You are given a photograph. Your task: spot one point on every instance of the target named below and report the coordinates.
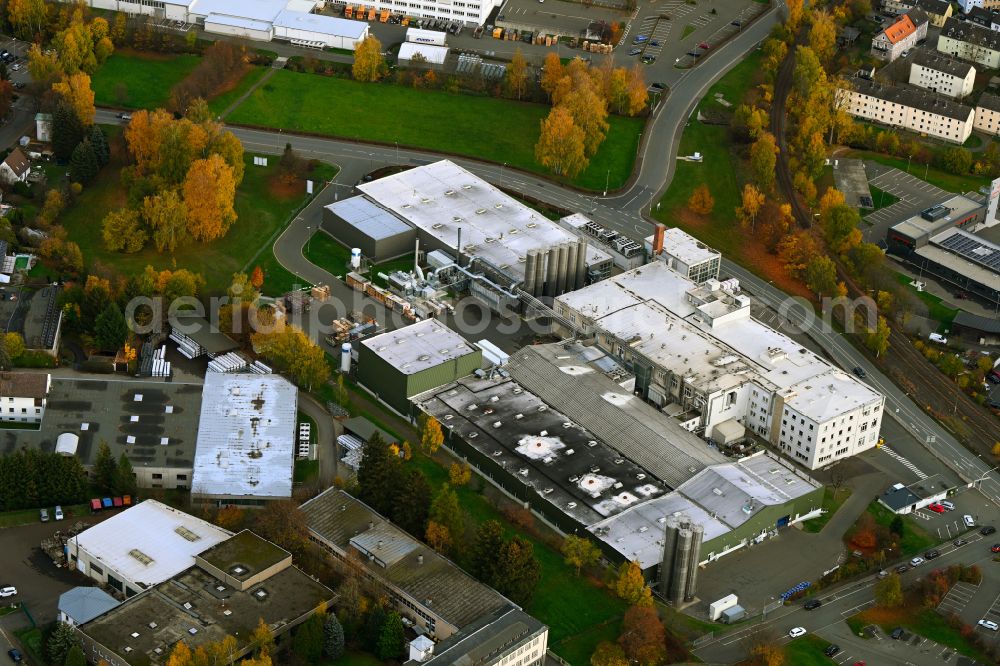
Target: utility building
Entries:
(360, 222)
(402, 363)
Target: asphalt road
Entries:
(840, 603)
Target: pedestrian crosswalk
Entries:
(906, 463)
(704, 19)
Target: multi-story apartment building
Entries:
(987, 18)
(696, 347)
(901, 36)
(908, 108)
(968, 5)
(988, 114)
(941, 74)
(970, 42)
(937, 10)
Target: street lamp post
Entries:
(501, 174)
(397, 151)
(909, 157)
(607, 178)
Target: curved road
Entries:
(622, 212)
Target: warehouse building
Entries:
(224, 592)
(489, 232)
(360, 222)
(465, 12)
(959, 211)
(246, 440)
(695, 348)
(402, 363)
(943, 75)
(908, 108)
(458, 619)
(962, 260)
(141, 547)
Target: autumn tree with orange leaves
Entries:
(75, 90)
(209, 194)
(560, 145)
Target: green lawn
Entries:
(260, 215)
(147, 78)
(305, 471)
(688, 29)
(483, 127)
(936, 309)
(807, 651)
(915, 538)
(31, 640)
(881, 198)
(277, 279)
(831, 502)
(946, 181)
(221, 102)
(718, 167)
(29, 516)
(577, 649)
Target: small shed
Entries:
(734, 614)
(43, 127)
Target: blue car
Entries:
(15, 655)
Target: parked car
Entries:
(812, 604)
(797, 631)
(58, 513)
(931, 554)
(649, 59)
(860, 372)
(948, 505)
(896, 634)
(705, 45)
(987, 530)
(16, 67)
(995, 548)
(916, 561)
(906, 53)
(969, 520)
(831, 650)
(653, 42)
(44, 515)
(694, 54)
(882, 574)
(902, 568)
(635, 52)
(936, 508)
(640, 38)
(15, 655)
(736, 23)
(959, 542)
(658, 86)
(989, 624)
(124, 116)
(8, 591)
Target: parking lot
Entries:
(914, 195)
(957, 599)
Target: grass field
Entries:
(28, 516)
(943, 179)
(305, 471)
(147, 78)
(915, 539)
(881, 198)
(831, 502)
(936, 309)
(482, 127)
(807, 651)
(719, 167)
(220, 103)
(260, 213)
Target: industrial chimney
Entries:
(658, 239)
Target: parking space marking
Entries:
(906, 463)
(957, 599)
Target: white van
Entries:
(969, 522)
(948, 505)
(937, 337)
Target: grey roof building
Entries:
(360, 222)
(83, 604)
(942, 63)
(914, 98)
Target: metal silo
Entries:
(697, 533)
(571, 253)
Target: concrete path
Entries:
(326, 430)
(863, 489)
(242, 98)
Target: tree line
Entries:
(31, 478)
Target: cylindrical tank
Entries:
(571, 251)
(345, 357)
(697, 533)
(563, 254)
(581, 264)
(529, 271)
(669, 551)
(539, 273)
(682, 562)
(355, 258)
(551, 270)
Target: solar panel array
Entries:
(973, 249)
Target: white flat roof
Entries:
(238, 22)
(432, 53)
(324, 25)
(254, 10)
(686, 248)
(169, 539)
(246, 436)
(441, 197)
(419, 346)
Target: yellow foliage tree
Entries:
(459, 474)
(631, 586)
(701, 200)
(560, 146)
(749, 208)
(209, 194)
(438, 536)
(144, 136)
(121, 231)
(369, 65)
(76, 91)
(431, 436)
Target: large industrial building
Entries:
(263, 20)
(696, 349)
(246, 439)
(399, 364)
(499, 243)
(223, 591)
(460, 620)
(684, 254)
(567, 436)
(141, 546)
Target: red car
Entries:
(936, 508)
(705, 45)
(995, 548)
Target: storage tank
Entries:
(539, 273)
(669, 551)
(697, 533)
(355, 258)
(551, 270)
(682, 563)
(571, 252)
(563, 254)
(581, 264)
(529, 271)
(345, 358)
